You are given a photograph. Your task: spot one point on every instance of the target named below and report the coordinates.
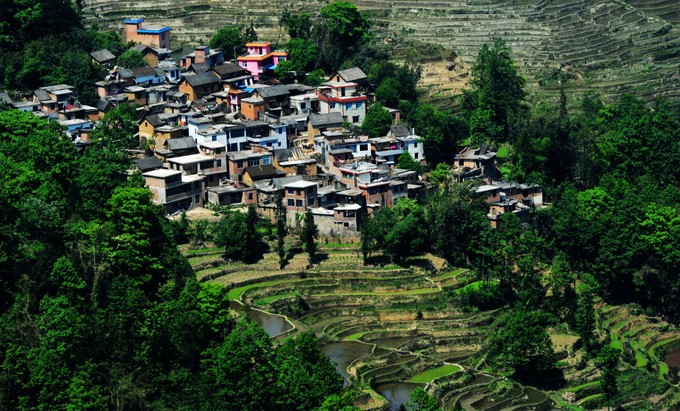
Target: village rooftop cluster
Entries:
(225, 132)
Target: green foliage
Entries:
(522, 344)
(341, 30)
(422, 401)
(395, 83)
(305, 375)
(377, 121)
(109, 40)
(585, 316)
(347, 24)
(130, 59)
(237, 233)
(43, 43)
(315, 78)
(281, 230)
(303, 59)
(230, 40)
(407, 162)
(309, 234)
(441, 132)
(454, 220)
(607, 361)
(299, 26)
(497, 92)
(440, 175)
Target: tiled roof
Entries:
(102, 55)
(226, 69)
(352, 74)
(326, 119)
(148, 163)
(180, 143)
(273, 91)
(202, 79)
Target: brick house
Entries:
(300, 195)
(197, 86)
(153, 36)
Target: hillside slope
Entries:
(609, 45)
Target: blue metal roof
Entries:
(133, 21)
(153, 31)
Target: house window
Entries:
(303, 106)
(415, 156)
(267, 160)
(239, 164)
(291, 191)
(291, 202)
(310, 190)
(244, 64)
(363, 147)
(214, 138)
(415, 145)
(298, 203)
(355, 119)
(360, 104)
(233, 147)
(218, 163)
(332, 106)
(310, 201)
(254, 162)
(348, 106)
(372, 191)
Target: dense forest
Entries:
(98, 309)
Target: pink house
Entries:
(260, 58)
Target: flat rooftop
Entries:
(162, 173)
(190, 159)
(300, 184)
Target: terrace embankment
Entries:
(602, 45)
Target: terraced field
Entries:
(614, 46)
(390, 327)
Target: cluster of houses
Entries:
(225, 132)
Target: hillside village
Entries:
(224, 132)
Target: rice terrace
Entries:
(390, 329)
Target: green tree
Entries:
(237, 233)
(299, 26)
(340, 33)
(607, 361)
(585, 312)
(250, 34)
(522, 344)
(315, 78)
(407, 162)
(239, 373)
(387, 93)
(305, 375)
(440, 132)
(377, 121)
(407, 235)
(422, 401)
(496, 86)
(281, 230)
(230, 40)
(440, 175)
(130, 59)
(309, 234)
